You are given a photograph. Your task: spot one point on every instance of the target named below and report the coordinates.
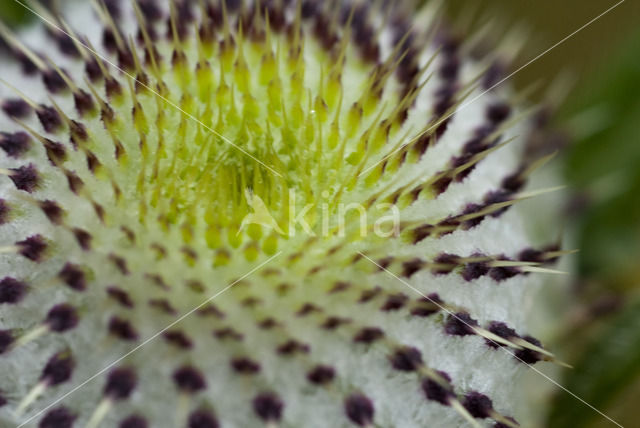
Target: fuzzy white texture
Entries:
(398, 399)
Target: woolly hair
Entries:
(182, 192)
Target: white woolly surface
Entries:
(399, 399)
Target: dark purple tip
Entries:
(472, 209)
(339, 286)
(211, 310)
(120, 383)
(427, 306)
(74, 182)
(498, 112)
(245, 365)
(28, 67)
(12, 291)
(93, 70)
(493, 75)
(268, 407)
(321, 375)
(126, 60)
(514, 182)
(447, 263)
(203, 419)
(52, 211)
(370, 294)
(228, 333)
(60, 417)
(474, 270)
(531, 255)
(332, 322)
(460, 324)
(17, 108)
(15, 145)
(411, 267)
(179, 339)
(84, 102)
(109, 40)
(368, 335)
(502, 273)
(435, 391)
(66, 44)
(528, 356)
(54, 81)
(61, 318)
(150, 10)
(6, 340)
(394, 302)
(189, 380)
(58, 369)
(5, 211)
(83, 238)
(134, 421)
(306, 309)
(268, 323)
(49, 118)
(25, 178)
(478, 405)
(232, 5)
(185, 12)
(56, 152)
(502, 330)
(406, 359)
(120, 296)
(359, 409)
(33, 248)
(450, 68)
(498, 197)
(112, 87)
(113, 7)
(122, 329)
(162, 305)
(73, 276)
(309, 8)
(292, 347)
(441, 185)
(422, 232)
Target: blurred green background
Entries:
(601, 115)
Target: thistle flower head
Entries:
(262, 213)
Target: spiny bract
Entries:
(268, 213)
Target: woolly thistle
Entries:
(272, 213)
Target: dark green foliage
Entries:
(605, 369)
(604, 166)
